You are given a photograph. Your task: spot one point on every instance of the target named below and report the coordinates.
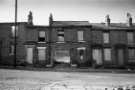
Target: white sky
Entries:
(91, 10)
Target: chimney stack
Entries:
(30, 18)
(50, 19)
(107, 20)
(129, 19)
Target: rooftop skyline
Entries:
(63, 10)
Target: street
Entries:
(38, 79)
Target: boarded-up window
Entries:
(130, 37)
(13, 31)
(131, 54)
(97, 56)
(41, 37)
(106, 37)
(80, 35)
(41, 53)
(107, 54)
(60, 35)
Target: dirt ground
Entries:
(24, 79)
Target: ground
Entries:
(34, 80)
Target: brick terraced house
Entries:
(69, 43)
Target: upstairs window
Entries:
(60, 35)
(41, 37)
(106, 37)
(13, 31)
(80, 36)
(130, 37)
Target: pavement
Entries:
(11, 79)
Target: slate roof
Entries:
(113, 26)
(71, 23)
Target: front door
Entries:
(120, 56)
(41, 53)
(29, 55)
(97, 56)
(62, 56)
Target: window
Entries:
(11, 50)
(60, 35)
(41, 36)
(130, 37)
(131, 54)
(107, 54)
(80, 36)
(106, 37)
(13, 31)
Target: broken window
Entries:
(41, 37)
(60, 35)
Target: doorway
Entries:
(120, 56)
(29, 57)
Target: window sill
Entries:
(41, 42)
(81, 41)
(60, 42)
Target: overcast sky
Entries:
(91, 10)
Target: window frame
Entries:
(108, 37)
(82, 37)
(129, 41)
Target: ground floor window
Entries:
(62, 56)
(131, 54)
(107, 54)
(97, 56)
(41, 53)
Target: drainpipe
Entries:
(15, 33)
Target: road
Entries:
(36, 79)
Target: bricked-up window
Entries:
(60, 35)
(130, 37)
(11, 50)
(131, 54)
(106, 37)
(13, 31)
(107, 54)
(80, 36)
(41, 37)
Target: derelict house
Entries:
(69, 43)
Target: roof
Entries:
(71, 23)
(113, 26)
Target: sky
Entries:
(93, 11)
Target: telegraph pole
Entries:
(15, 33)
